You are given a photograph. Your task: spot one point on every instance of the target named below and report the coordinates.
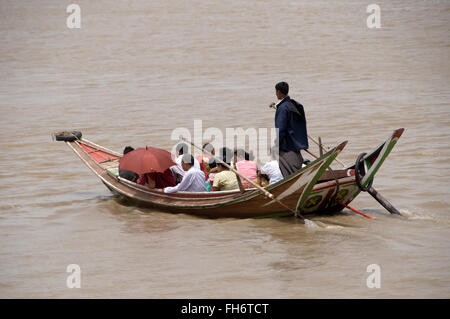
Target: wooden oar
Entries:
(383, 201)
(264, 191)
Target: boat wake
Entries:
(319, 225)
(415, 216)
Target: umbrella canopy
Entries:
(147, 160)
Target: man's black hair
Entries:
(208, 147)
(223, 165)
(212, 163)
(283, 87)
(127, 149)
(226, 154)
(129, 175)
(242, 154)
(182, 148)
(188, 159)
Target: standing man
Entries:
(292, 136)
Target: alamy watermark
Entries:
(257, 141)
(74, 279)
(374, 279)
(374, 19)
(74, 19)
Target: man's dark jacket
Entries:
(290, 120)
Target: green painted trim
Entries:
(113, 171)
(383, 158)
(295, 175)
(312, 183)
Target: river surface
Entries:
(136, 70)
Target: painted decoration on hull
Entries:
(309, 177)
(308, 189)
(341, 194)
(313, 201)
(321, 199)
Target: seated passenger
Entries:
(226, 154)
(205, 157)
(128, 175)
(212, 170)
(246, 167)
(165, 179)
(127, 149)
(272, 168)
(211, 173)
(177, 170)
(225, 179)
(193, 179)
(161, 180)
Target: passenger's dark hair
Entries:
(188, 159)
(222, 165)
(182, 148)
(226, 154)
(129, 175)
(242, 154)
(127, 149)
(212, 163)
(208, 147)
(283, 87)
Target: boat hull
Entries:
(306, 191)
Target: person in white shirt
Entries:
(193, 179)
(272, 168)
(181, 149)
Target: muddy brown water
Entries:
(136, 70)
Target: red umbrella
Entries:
(146, 160)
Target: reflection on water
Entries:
(137, 70)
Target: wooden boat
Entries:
(313, 189)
